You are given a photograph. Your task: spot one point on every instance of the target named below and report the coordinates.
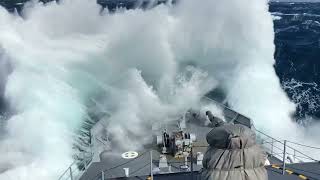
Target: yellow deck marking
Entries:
(289, 172)
(302, 177)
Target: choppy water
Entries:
(73, 61)
(297, 39)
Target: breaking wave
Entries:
(72, 61)
(306, 97)
(276, 18)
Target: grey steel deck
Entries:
(111, 166)
(310, 171)
(139, 170)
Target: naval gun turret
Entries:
(216, 122)
(233, 153)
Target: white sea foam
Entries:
(143, 66)
(276, 18)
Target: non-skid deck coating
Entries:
(300, 171)
(112, 165)
(139, 169)
(309, 171)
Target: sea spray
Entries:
(141, 66)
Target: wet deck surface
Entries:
(112, 165)
(311, 171)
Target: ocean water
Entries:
(297, 32)
(297, 40)
(65, 65)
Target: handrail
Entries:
(282, 143)
(65, 172)
(302, 153)
(276, 148)
(278, 151)
(260, 132)
(312, 147)
(273, 142)
(69, 173)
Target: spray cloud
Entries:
(141, 65)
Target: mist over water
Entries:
(141, 66)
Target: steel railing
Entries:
(75, 170)
(281, 151)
